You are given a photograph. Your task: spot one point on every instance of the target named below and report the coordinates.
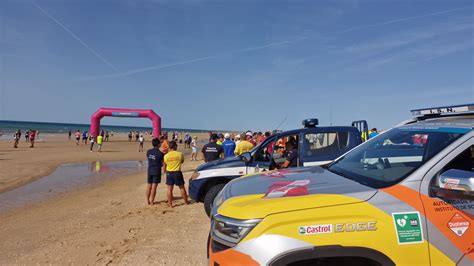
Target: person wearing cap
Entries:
(228, 146)
(212, 151)
(243, 145)
(237, 139)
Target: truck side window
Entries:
(317, 144)
(263, 154)
(464, 161)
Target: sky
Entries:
(234, 65)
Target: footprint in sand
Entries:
(116, 203)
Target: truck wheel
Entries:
(209, 198)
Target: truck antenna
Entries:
(282, 121)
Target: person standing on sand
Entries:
(243, 146)
(16, 138)
(164, 145)
(92, 142)
(194, 149)
(228, 146)
(32, 138)
(100, 140)
(212, 151)
(220, 139)
(174, 177)
(27, 136)
(237, 139)
(141, 140)
(155, 163)
(78, 137)
(84, 137)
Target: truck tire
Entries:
(209, 198)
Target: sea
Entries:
(7, 128)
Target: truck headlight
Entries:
(230, 231)
(195, 175)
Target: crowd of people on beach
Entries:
(30, 136)
(164, 159)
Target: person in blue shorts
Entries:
(155, 163)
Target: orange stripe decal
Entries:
(428, 206)
(230, 257)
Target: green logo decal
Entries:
(408, 227)
(302, 230)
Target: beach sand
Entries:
(108, 222)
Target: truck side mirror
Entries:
(246, 157)
(454, 184)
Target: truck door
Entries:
(450, 223)
(261, 157)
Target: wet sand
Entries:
(106, 223)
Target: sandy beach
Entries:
(108, 222)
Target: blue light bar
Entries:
(310, 122)
(463, 108)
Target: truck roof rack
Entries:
(425, 113)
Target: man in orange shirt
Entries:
(164, 145)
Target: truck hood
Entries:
(257, 196)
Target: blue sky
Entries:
(234, 64)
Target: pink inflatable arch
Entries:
(116, 112)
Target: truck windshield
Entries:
(392, 156)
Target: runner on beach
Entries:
(141, 139)
(78, 137)
(69, 135)
(174, 177)
(194, 149)
(27, 136)
(16, 138)
(155, 163)
(84, 136)
(32, 138)
(100, 140)
(92, 139)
